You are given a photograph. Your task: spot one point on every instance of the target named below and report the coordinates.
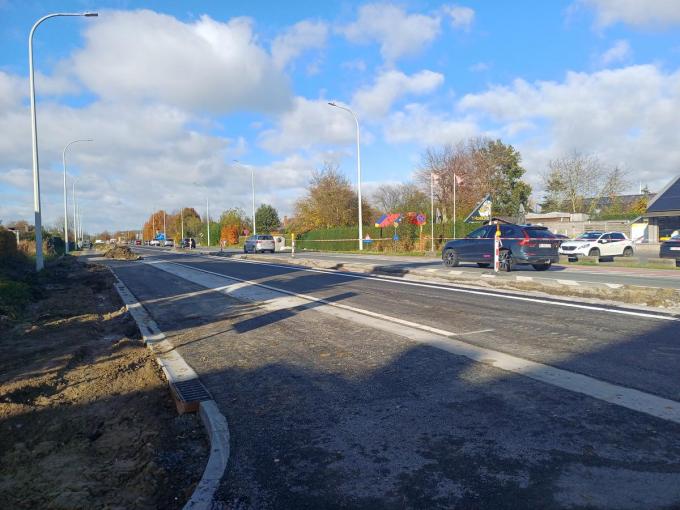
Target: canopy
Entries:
(387, 220)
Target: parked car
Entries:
(87, 245)
(598, 244)
(138, 242)
(670, 249)
(169, 243)
(154, 242)
(188, 242)
(521, 244)
(259, 244)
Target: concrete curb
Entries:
(629, 294)
(176, 370)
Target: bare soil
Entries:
(121, 253)
(86, 418)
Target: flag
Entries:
(482, 212)
(458, 178)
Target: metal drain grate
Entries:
(191, 391)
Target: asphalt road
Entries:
(358, 411)
(600, 274)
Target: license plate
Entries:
(545, 245)
(675, 248)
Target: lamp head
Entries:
(332, 104)
(90, 14)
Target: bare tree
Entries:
(577, 179)
(405, 197)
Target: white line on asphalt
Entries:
(629, 398)
(568, 282)
(449, 288)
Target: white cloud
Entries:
(461, 17)
(592, 113)
(416, 123)
(297, 39)
(203, 65)
(389, 86)
(637, 13)
(480, 67)
(397, 32)
(308, 123)
(619, 52)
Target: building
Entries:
(663, 212)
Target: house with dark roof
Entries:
(663, 211)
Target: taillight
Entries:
(526, 241)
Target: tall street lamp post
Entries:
(252, 186)
(356, 120)
(39, 262)
(63, 161)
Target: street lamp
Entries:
(39, 263)
(63, 161)
(356, 120)
(252, 184)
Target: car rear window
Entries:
(266, 238)
(539, 233)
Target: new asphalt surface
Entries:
(334, 413)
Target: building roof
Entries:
(668, 199)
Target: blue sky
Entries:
(174, 92)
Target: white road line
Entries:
(460, 290)
(568, 282)
(629, 398)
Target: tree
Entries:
(235, 217)
(480, 166)
(266, 218)
(229, 234)
(400, 198)
(330, 202)
(578, 182)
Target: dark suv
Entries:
(520, 244)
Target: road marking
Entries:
(459, 290)
(487, 276)
(568, 282)
(524, 278)
(448, 341)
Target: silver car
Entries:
(259, 244)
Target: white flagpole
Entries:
(432, 211)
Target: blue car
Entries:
(520, 244)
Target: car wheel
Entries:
(628, 251)
(595, 252)
(483, 264)
(450, 258)
(541, 267)
(505, 259)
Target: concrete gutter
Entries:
(665, 298)
(176, 371)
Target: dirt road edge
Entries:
(176, 370)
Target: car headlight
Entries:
(585, 245)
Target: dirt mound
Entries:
(86, 419)
(121, 253)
